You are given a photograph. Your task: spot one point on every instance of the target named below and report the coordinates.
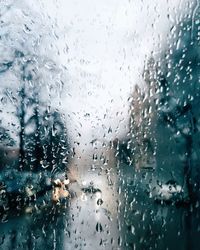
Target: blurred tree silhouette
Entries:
(27, 76)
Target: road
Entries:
(117, 214)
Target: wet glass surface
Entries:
(99, 124)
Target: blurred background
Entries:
(99, 124)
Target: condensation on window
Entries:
(99, 124)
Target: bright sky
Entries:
(103, 44)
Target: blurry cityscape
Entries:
(131, 185)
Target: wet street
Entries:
(116, 213)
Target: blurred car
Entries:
(168, 192)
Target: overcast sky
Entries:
(104, 44)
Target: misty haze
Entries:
(99, 124)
